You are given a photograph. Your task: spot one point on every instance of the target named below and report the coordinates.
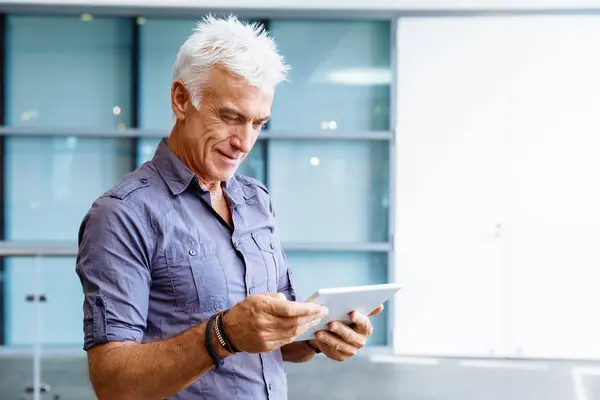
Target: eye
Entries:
(230, 119)
(259, 126)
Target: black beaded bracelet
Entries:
(229, 346)
(209, 347)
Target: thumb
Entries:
(376, 311)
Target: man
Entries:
(187, 291)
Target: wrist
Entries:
(220, 351)
(212, 342)
(224, 326)
(219, 338)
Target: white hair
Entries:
(241, 48)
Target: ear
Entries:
(180, 99)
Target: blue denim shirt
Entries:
(155, 259)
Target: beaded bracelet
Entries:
(209, 347)
(226, 342)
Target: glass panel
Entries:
(67, 376)
(253, 166)
(50, 185)
(340, 186)
(314, 270)
(159, 43)
(56, 65)
(146, 149)
(16, 375)
(339, 79)
(62, 315)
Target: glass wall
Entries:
(62, 73)
(323, 152)
(340, 76)
(339, 83)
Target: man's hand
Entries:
(345, 341)
(265, 322)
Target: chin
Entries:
(223, 171)
(225, 175)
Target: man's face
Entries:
(217, 138)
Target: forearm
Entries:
(152, 370)
(297, 352)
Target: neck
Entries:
(179, 150)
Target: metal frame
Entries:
(281, 13)
(265, 142)
(37, 248)
(392, 180)
(135, 89)
(195, 12)
(156, 133)
(69, 249)
(3, 30)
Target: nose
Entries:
(244, 139)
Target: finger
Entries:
(279, 296)
(285, 308)
(377, 311)
(348, 334)
(362, 322)
(334, 347)
(300, 329)
(291, 323)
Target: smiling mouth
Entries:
(229, 157)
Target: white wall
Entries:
(334, 4)
(498, 223)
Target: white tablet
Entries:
(342, 301)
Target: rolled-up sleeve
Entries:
(113, 267)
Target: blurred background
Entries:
(451, 146)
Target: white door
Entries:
(499, 122)
(451, 189)
(554, 231)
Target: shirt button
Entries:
(192, 252)
(144, 180)
(252, 291)
(270, 386)
(98, 301)
(272, 246)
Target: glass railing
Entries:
(41, 357)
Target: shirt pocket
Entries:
(197, 278)
(267, 279)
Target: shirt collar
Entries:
(178, 176)
(175, 173)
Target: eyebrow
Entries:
(231, 110)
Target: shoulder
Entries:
(252, 183)
(136, 181)
(108, 214)
(122, 203)
(252, 187)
